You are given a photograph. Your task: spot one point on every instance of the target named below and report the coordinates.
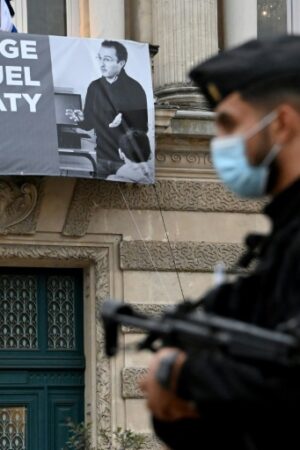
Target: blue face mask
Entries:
(229, 156)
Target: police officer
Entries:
(209, 400)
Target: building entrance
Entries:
(41, 357)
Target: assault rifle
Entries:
(191, 330)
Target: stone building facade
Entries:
(148, 245)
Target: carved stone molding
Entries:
(98, 257)
(163, 118)
(149, 309)
(191, 126)
(183, 256)
(19, 205)
(131, 390)
(199, 160)
(130, 382)
(182, 95)
(169, 195)
(182, 147)
(152, 443)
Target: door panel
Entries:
(63, 407)
(38, 420)
(20, 428)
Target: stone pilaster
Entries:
(139, 18)
(187, 32)
(84, 18)
(107, 19)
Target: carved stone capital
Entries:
(19, 205)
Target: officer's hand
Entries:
(163, 403)
(117, 121)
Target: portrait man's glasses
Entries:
(105, 59)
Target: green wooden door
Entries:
(41, 357)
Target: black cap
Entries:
(236, 69)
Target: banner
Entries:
(76, 107)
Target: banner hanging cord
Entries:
(146, 247)
(169, 243)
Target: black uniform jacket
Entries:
(104, 101)
(261, 403)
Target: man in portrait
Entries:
(115, 103)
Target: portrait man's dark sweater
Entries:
(114, 104)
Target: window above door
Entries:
(47, 17)
(41, 318)
(277, 17)
(271, 18)
(245, 20)
(50, 17)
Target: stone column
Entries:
(84, 18)
(187, 33)
(107, 19)
(140, 18)
(20, 19)
(240, 21)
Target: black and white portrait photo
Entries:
(104, 109)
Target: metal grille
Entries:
(61, 313)
(12, 428)
(18, 313)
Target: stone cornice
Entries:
(169, 195)
(182, 256)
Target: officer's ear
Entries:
(286, 126)
(122, 63)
